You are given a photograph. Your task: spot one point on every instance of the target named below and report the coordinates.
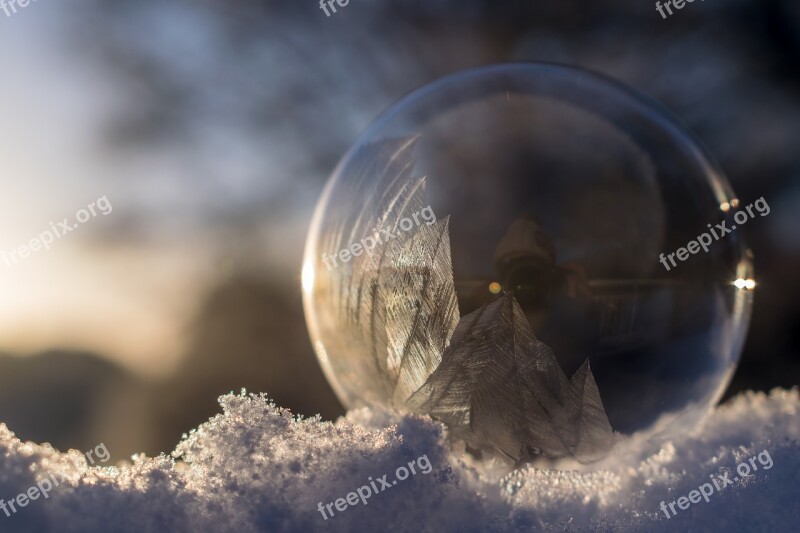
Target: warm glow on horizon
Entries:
(124, 306)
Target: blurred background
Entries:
(211, 128)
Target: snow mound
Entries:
(255, 467)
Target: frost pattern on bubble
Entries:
(421, 307)
(399, 300)
(486, 375)
(499, 387)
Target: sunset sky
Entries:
(123, 285)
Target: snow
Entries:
(255, 467)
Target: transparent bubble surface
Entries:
(553, 188)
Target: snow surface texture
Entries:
(257, 468)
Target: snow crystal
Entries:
(255, 467)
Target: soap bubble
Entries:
(546, 186)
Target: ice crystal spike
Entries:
(399, 301)
(500, 388)
(421, 307)
(593, 436)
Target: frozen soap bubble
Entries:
(489, 253)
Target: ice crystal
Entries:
(498, 387)
(486, 375)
